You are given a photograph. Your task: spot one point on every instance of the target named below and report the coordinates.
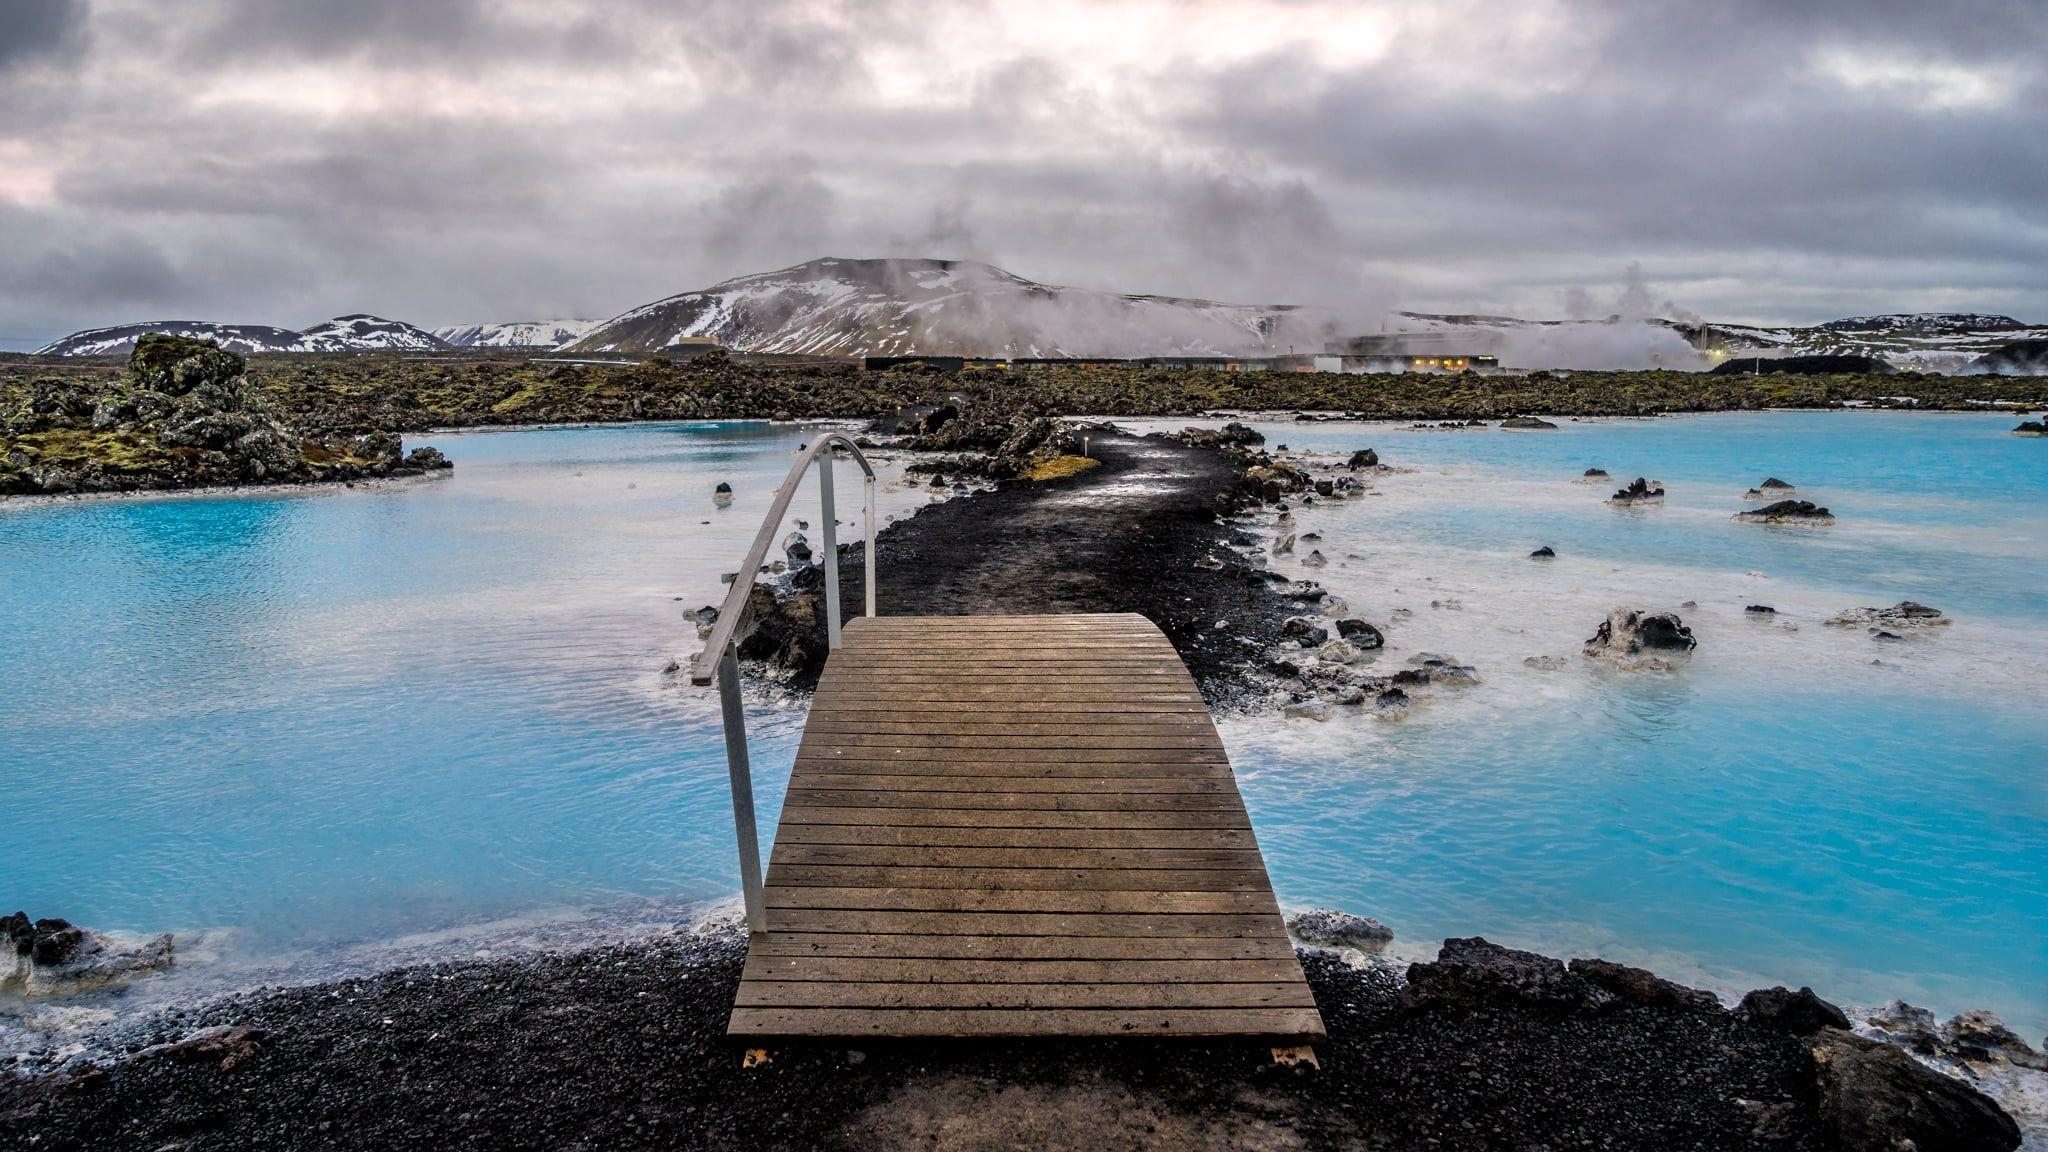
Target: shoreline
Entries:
(620, 1044)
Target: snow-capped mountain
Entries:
(1922, 341)
(519, 334)
(353, 333)
(120, 339)
(839, 307)
(359, 332)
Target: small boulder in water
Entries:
(1526, 423)
(1363, 458)
(1760, 610)
(54, 956)
(2031, 428)
(1544, 553)
(1904, 614)
(1314, 559)
(1332, 928)
(1633, 639)
(1638, 491)
(1782, 511)
(1547, 663)
(1360, 633)
(1306, 629)
(796, 548)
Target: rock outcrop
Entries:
(1875, 1098)
(2031, 428)
(1799, 1013)
(1788, 511)
(1638, 491)
(1473, 972)
(1634, 639)
(184, 415)
(56, 957)
(1330, 928)
(1906, 614)
(1526, 423)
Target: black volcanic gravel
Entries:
(1122, 537)
(623, 1048)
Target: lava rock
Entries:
(1640, 986)
(1544, 553)
(1472, 972)
(1784, 510)
(1630, 638)
(1876, 1098)
(1638, 491)
(1332, 928)
(1526, 423)
(1792, 1013)
(1307, 629)
(1760, 610)
(1904, 614)
(1360, 633)
(2031, 428)
(1363, 458)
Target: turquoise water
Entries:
(323, 717)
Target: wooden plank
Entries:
(1030, 801)
(939, 856)
(1192, 769)
(1246, 877)
(968, 996)
(1121, 785)
(976, 900)
(847, 704)
(1163, 925)
(1303, 1023)
(1039, 838)
(1108, 970)
(822, 753)
(923, 946)
(898, 741)
(1017, 818)
(1070, 729)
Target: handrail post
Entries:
(867, 517)
(742, 788)
(828, 515)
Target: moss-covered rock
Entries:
(183, 415)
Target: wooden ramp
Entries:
(1016, 826)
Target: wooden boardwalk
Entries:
(1016, 826)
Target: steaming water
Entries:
(307, 721)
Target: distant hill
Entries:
(354, 333)
(518, 334)
(119, 340)
(839, 307)
(1922, 341)
(903, 306)
(361, 332)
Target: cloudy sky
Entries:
(281, 161)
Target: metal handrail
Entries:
(720, 658)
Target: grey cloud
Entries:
(1698, 140)
(33, 29)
